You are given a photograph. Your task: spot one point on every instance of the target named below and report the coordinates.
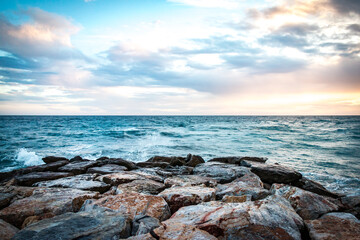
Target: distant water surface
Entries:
(323, 148)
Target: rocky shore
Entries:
(171, 198)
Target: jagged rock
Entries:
(78, 167)
(352, 204)
(118, 161)
(141, 186)
(194, 160)
(152, 173)
(5, 199)
(152, 164)
(107, 169)
(82, 225)
(307, 204)
(270, 218)
(190, 180)
(83, 182)
(180, 170)
(177, 162)
(276, 173)
(223, 173)
(7, 231)
(178, 197)
(314, 187)
(158, 172)
(120, 178)
(51, 159)
(31, 178)
(249, 184)
(231, 160)
(334, 226)
(131, 203)
(76, 159)
(16, 192)
(236, 199)
(50, 201)
(143, 224)
(165, 159)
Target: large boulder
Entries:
(143, 224)
(152, 164)
(315, 187)
(83, 182)
(45, 201)
(194, 160)
(275, 173)
(107, 169)
(352, 204)
(190, 180)
(270, 218)
(118, 161)
(7, 231)
(238, 160)
(307, 204)
(31, 178)
(178, 197)
(166, 159)
(141, 186)
(12, 193)
(78, 167)
(52, 159)
(223, 173)
(82, 225)
(131, 204)
(334, 226)
(115, 179)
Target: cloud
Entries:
(354, 27)
(227, 4)
(346, 6)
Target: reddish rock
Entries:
(119, 178)
(236, 199)
(307, 204)
(178, 197)
(51, 201)
(334, 226)
(190, 180)
(141, 186)
(78, 167)
(31, 178)
(7, 231)
(131, 203)
(275, 173)
(5, 199)
(52, 159)
(16, 192)
(107, 169)
(270, 218)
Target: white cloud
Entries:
(227, 4)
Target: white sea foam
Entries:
(28, 158)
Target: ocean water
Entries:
(323, 148)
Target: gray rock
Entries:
(190, 180)
(5, 199)
(275, 173)
(194, 160)
(51, 159)
(107, 169)
(315, 187)
(83, 182)
(7, 231)
(141, 186)
(115, 179)
(153, 164)
(165, 159)
(118, 161)
(82, 225)
(31, 178)
(78, 167)
(143, 224)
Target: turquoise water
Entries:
(326, 149)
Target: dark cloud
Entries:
(346, 6)
(284, 40)
(343, 49)
(300, 29)
(354, 28)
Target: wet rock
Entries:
(270, 218)
(152, 164)
(107, 169)
(115, 179)
(165, 159)
(131, 203)
(352, 204)
(190, 180)
(249, 184)
(307, 204)
(7, 231)
(231, 160)
(83, 182)
(254, 159)
(194, 160)
(223, 173)
(5, 199)
(51, 159)
(118, 161)
(82, 225)
(141, 186)
(334, 226)
(31, 178)
(314, 187)
(51, 201)
(178, 197)
(78, 167)
(143, 224)
(76, 159)
(276, 173)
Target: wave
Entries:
(27, 158)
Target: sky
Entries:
(180, 57)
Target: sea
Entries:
(323, 148)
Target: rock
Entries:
(78, 167)
(152, 164)
(7, 231)
(165, 159)
(236, 199)
(177, 162)
(254, 159)
(143, 224)
(155, 174)
(270, 218)
(115, 179)
(76, 159)
(178, 197)
(231, 160)
(334, 226)
(307, 204)
(16, 192)
(249, 184)
(118, 161)
(352, 204)
(83, 182)
(82, 225)
(141, 186)
(276, 173)
(314, 187)
(223, 173)
(131, 203)
(51, 201)
(31, 178)
(190, 180)
(51, 159)
(179, 170)
(5, 199)
(194, 161)
(107, 169)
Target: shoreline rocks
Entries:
(171, 198)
